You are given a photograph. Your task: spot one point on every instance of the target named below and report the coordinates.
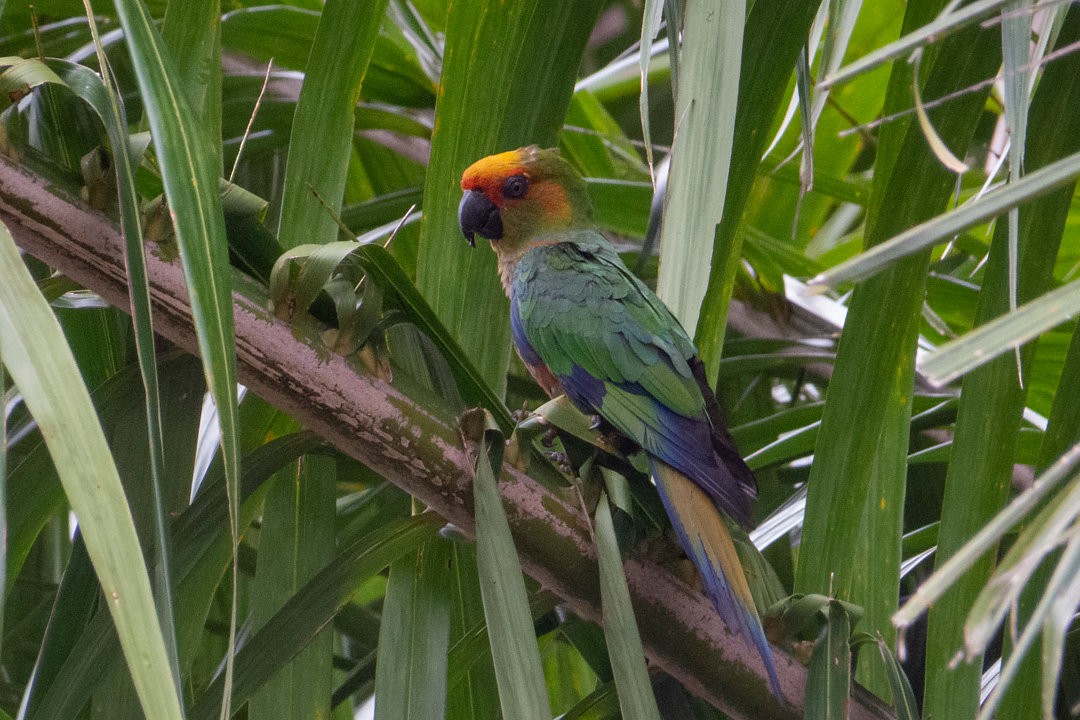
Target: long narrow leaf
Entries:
(1015, 49)
(710, 61)
(296, 541)
(650, 28)
(90, 87)
(828, 681)
(620, 628)
(943, 227)
(190, 176)
(192, 32)
(776, 31)
(522, 691)
(940, 27)
(986, 539)
(1059, 600)
(471, 687)
(40, 363)
(984, 453)
(903, 695)
(873, 375)
(1010, 331)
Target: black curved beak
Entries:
(479, 216)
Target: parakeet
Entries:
(585, 326)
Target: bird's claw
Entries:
(561, 461)
(520, 415)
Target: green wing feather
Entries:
(619, 353)
(581, 306)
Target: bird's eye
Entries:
(515, 186)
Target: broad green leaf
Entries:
(192, 33)
(876, 581)
(322, 128)
(295, 542)
(492, 97)
(41, 365)
(600, 704)
(566, 673)
(588, 639)
(411, 671)
(471, 687)
(620, 206)
(283, 32)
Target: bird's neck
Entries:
(509, 255)
(510, 251)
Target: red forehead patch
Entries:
(488, 174)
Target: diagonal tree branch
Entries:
(415, 449)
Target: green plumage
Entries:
(581, 306)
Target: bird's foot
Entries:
(560, 460)
(520, 415)
(549, 436)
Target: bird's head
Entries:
(516, 196)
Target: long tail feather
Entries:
(706, 539)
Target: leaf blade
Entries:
(38, 358)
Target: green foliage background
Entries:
(265, 139)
